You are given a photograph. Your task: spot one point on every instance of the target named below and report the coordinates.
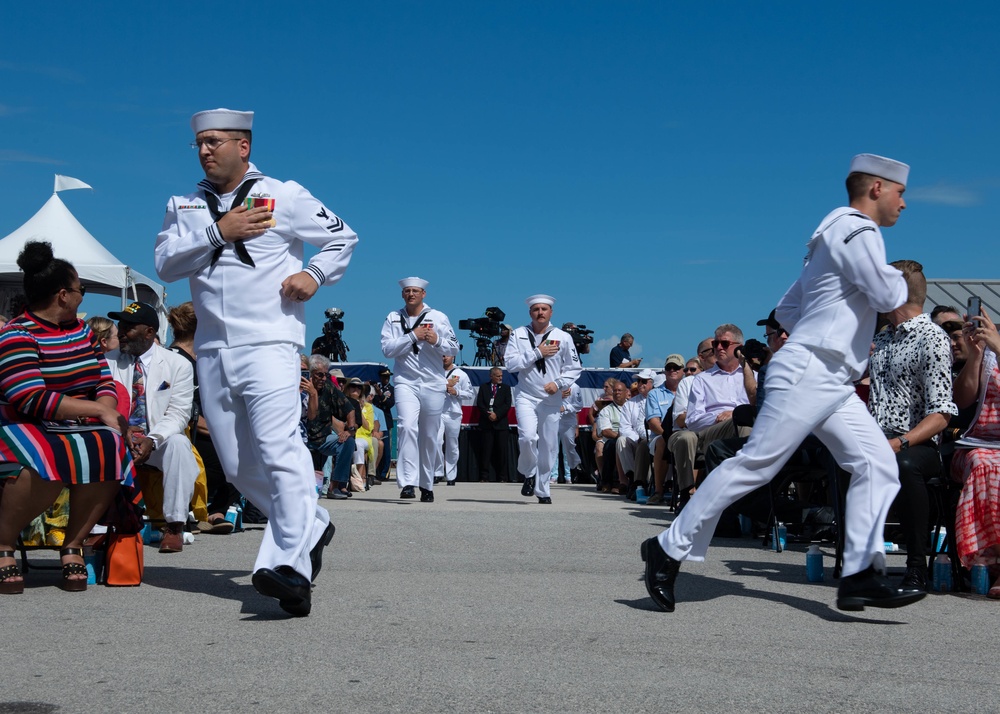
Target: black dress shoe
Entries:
(438, 479)
(545, 500)
(914, 579)
(316, 554)
(407, 492)
(528, 487)
(426, 495)
(661, 572)
(451, 483)
(292, 590)
(872, 588)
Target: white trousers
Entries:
(360, 450)
(537, 438)
(625, 449)
(180, 470)
(418, 430)
(451, 427)
(567, 436)
(806, 393)
(250, 398)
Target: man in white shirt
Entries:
(658, 404)
(417, 337)
(830, 314)
(714, 394)
(458, 389)
(632, 450)
(545, 361)
(240, 241)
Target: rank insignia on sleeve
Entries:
(329, 222)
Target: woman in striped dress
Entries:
(58, 420)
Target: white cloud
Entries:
(945, 194)
(13, 156)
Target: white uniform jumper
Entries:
(248, 340)
(451, 420)
(538, 412)
(830, 314)
(420, 390)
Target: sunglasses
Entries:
(671, 368)
(691, 370)
(724, 344)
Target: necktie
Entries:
(138, 415)
(494, 390)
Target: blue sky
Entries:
(658, 167)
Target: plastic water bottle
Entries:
(640, 495)
(782, 537)
(980, 577)
(814, 564)
(941, 546)
(232, 514)
(942, 574)
(95, 565)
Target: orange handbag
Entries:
(124, 560)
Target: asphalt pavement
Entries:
(485, 601)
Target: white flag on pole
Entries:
(67, 183)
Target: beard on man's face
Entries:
(136, 346)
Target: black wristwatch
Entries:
(904, 443)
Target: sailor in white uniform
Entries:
(545, 362)
(417, 337)
(458, 390)
(239, 239)
(569, 422)
(830, 314)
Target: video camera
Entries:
(487, 326)
(334, 322)
(754, 350)
(582, 338)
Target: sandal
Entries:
(7, 585)
(71, 584)
(218, 525)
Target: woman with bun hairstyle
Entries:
(59, 426)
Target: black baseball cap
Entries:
(138, 313)
(385, 370)
(771, 322)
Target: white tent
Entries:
(99, 270)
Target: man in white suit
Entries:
(160, 412)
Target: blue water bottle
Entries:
(980, 577)
(814, 564)
(942, 574)
(640, 495)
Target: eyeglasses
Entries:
(691, 370)
(769, 335)
(82, 290)
(671, 368)
(724, 344)
(317, 373)
(211, 142)
(640, 380)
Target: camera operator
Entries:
(500, 346)
(385, 399)
(331, 343)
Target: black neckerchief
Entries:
(408, 330)
(540, 363)
(212, 201)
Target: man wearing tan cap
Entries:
(239, 239)
(830, 314)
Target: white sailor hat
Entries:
(541, 299)
(222, 119)
(413, 283)
(881, 167)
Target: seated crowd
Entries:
(933, 387)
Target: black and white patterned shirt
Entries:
(910, 375)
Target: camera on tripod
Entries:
(484, 330)
(487, 326)
(331, 343)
